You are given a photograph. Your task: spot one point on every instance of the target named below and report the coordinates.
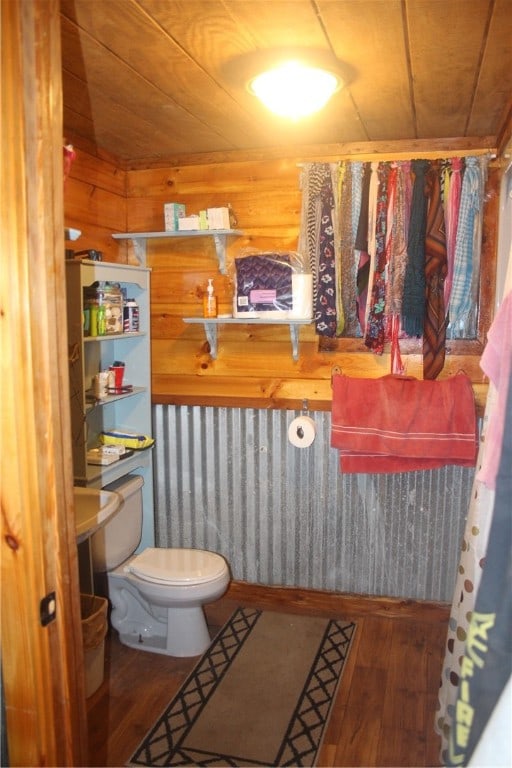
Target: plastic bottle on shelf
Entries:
(93, 330)
(131, 316)
(102, 320)
(210, 301)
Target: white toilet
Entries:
(157, 595)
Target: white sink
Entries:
(94, 508)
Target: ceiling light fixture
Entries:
(295, 90)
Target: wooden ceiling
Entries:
(159, 81)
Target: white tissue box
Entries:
(188, 223)
(218, 218)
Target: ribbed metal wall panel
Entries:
(228, 480)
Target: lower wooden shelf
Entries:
(210, 328)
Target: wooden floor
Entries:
(385, 707)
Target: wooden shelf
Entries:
(219, 237)
(210, 328)
(113, 337)
(93, 402)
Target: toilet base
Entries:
(189, 635)
(145, 620)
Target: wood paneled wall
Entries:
(254, 365)
(95, 203)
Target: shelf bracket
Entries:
(139, 249)
(220, 248)
(210, 330)
(294, 337)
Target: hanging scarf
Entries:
(375, 327)
(396, 257)
(347, 285)
(434, 327)
(452, 205)
(325, 303)
(311, 180)
(372, 218)
(413, 303)
(461, 298)
(361, 249)
(397, 242)
(470, 328)
(357, 191)
(343, 212)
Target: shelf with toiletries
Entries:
(210, 325)
(220, 237)
(119, 404)
(91, 401)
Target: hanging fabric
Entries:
(396, 256)
(316, 238)
(497, 363)
(413, 304)
(372, 233)
(461, 297)
(474, 256)
(454, 172)
(378, 272)
(402, 424)
(487, 663)
(361, 249)
(325, 306)
(347, 285)
(434, 326)
(375, 326)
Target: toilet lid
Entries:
(177, 566)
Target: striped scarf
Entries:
(461, 299)
(451, 205)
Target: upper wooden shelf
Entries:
(219, 237)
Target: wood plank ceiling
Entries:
(155, 81)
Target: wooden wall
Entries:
(254, 365)
(95, 203)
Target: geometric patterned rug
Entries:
(261, 695)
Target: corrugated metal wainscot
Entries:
(228, 480)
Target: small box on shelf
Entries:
(173, 212)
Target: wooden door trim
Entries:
(42, 666)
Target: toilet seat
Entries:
(176, 567)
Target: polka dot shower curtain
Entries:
(476, 534)
(474, 546)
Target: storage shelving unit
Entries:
(90, 354)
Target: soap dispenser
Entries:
(210, 301)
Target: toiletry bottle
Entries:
(94, 320)
(131, 316)
(102, 320)
(210, 301)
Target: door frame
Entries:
(42, 664)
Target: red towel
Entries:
(400, 424)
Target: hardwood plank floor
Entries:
(385, 707)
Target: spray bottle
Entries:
(210, 301)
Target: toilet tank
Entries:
(120, 537)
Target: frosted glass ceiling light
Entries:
(294, 90)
